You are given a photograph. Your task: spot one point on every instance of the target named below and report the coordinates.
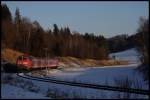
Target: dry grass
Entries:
(10, 55)
(71, 61)
(112, 62)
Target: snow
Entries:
(130, 55)
(98, 75)
(128, 52)
(12, 92)
(103, 75)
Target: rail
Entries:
(93, 86)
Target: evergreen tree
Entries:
(6, 15)
(55, 30)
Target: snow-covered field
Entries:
(96, 75)
(13, 92)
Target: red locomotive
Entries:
(29, 62)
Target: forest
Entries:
(29, 37)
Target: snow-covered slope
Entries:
(130, 55)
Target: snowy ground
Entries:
(96, 75)
(13, 92)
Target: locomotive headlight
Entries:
(25, 63)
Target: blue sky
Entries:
(105, 18)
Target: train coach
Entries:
(29, 62)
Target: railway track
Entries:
(85, 85)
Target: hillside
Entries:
(131, 55)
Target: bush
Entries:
(126, 82)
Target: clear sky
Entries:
(106, 18)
